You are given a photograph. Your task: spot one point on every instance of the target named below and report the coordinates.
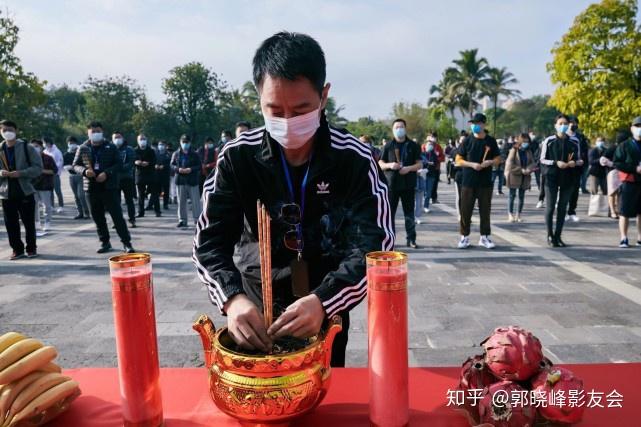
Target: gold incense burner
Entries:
(266, 390)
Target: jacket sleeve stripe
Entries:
(544, 149)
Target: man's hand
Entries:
(102, 177)
(144, 164)
(571, 164)
(246, 324)
(89, 173)
(561, 165)
(395, 166)
(302, 319)
(579, 162)
(639, 169)
(404, 170)
(4, 173)
(525, 171)
(477, 166)
(138, 162)
(487, 164)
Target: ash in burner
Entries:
(281, 346)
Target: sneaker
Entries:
(41, 233)
(561, 243)
(540, 204)
(106, 247)
(486, 242)
(464, 243)
(32, 254)
(426, 210)
(132, 223)
(511, 218)
(181, 225)
(59, 209)
(625, 243)
(129, 249)
(47, 226)
(518, 218)
(574, 218)
(79, 216)
(418, 221)
(14, 256)
(412, 245)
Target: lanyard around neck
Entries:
(290, 187)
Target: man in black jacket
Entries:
(559, 154)
(163, 172)
(185, 163)
(126, 175)
(146, 176)
(98, 161)
(627, 160)
(325, 194)
(75, 180)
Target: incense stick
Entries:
(487, 149)
(264, 248)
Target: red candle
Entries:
(137, 345)
(388, 339)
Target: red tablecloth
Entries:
(186, 399)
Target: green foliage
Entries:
(596, 67)
(376, 129)
(524, 115)
(497, 84)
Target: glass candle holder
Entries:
(137, 344)
(387, 339)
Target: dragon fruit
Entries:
(512, 412)
(474, 376)
(561, 381)
(513, 353)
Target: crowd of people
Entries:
(103, 173)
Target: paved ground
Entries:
(583, 302)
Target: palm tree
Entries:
(496, 84)
(467, 78)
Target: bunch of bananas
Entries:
(32, 389)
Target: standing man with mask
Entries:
(98, 161)
(208, 154)
(477, 155)
(126, 175)
(323, 191)
(400, 160)
(20, 164)
(75, 180)
(242, 127)
(225, 137)
(53, 151)
(559, 154)
(44, 188)
(186, 164)
(146, 176)
(583, 145)
(163, 172)
(627, 160)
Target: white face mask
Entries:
(636, 132)
(96, 137)
(9, 136)
(142, 143)
(294, 132)
(118, 141)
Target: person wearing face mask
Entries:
(20, 163)
(440, 156)
(242, 127)
(145, 164)
(600, 165)
(518, 171)
(225, 137)
(44, 186)
(581, 168)
(429, 173)
(559, 154)
(75, 180)
(627, 160)
(185, 162)
(400, 160)
(126, 175)
(327, 200)
(477, 156)
(449, 149)
(53, 151)
(535, 146)
(208, 154)
(163, 172)
(98, 161)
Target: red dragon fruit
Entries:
(474, 376)
(513, 411)
(513, 353)
(559, 380)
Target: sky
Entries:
(378, 52)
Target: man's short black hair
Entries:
(573, 119)
(47, 140)
(37, 141)
(94, 124)
(116, 132)
(227, 133)
(290, 56)
(401, 121)
(210, 139)
(185, 137)
(72, 139)
(561, 116)
(244, 124)
(9, 124)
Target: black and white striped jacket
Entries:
(347, 215)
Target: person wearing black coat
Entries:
(185, 162)
(146, 176)
(75, 180)
(98, 161)
(163, 172)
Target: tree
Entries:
(154, 121)
(531, 114)
(63, 111)
(376, 129)
(113, 101)
(415, 115)
(596, 67)
(467, 78)
(497, 84)
(193, 93)
(21, 92)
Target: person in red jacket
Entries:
(440, 155)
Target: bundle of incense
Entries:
(5, 163)
(570, 157)
(265, 251)
(487, 150)
(86, 160)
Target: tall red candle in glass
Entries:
(135, 321)
(387, 335)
